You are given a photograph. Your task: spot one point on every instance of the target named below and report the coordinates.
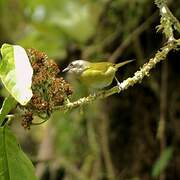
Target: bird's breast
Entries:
(95, 78)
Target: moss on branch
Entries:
(168, 23)
(137, 78)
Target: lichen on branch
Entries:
(168, 22)
(137, 78)
(48, 97)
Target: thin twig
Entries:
(133, 35)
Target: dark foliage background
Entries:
(117, 138)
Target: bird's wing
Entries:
(92, 72)
(98, 77)
(100, 67)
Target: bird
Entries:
(95, 75)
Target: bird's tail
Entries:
(123, 63)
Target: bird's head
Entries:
(77, 67)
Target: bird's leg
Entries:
(118, 83)
(93, 92)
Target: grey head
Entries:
(77, 66)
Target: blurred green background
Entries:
(116, 138)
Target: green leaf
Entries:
(162, 162)
(14, 164)
(8, 104)
(16, 72)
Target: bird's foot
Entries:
(118, 84)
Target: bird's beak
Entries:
(65, 70)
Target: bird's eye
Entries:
(71, 65)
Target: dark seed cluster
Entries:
(49, 90)
(27, 120)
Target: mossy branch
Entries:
(168, 21)
(137, 78)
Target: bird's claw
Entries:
(118, 84)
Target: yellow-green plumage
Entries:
(94, 75)
(100, 75)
